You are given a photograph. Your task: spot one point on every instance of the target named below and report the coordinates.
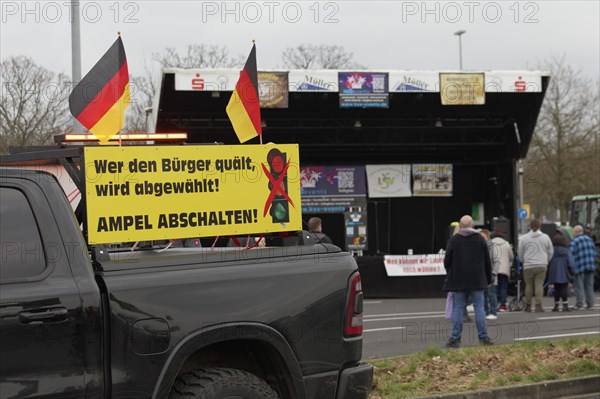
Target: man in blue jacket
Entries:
(469, 271)
(584, 253)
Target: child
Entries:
(561, 271)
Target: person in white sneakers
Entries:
(535, 251)
(490, 294)
(503, 256)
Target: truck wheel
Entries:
(220, 383)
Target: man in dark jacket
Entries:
(469, 271)
(316, 229)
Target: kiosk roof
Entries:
(415, 127)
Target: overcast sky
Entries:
(381, 34)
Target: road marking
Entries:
(558, 336)
(371, 302)
(568, 317)
(406, 318)
(402, 314)
(385, 329)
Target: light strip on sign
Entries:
(69, 137)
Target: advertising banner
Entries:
(338, 189)
(414, 265)
(363, 89)
(432, 180)
(399, 81)
(273, 89)
(332, 180)
(478, 213)
(414, 81)
(165, 192)
(319, 80)
(206, 79)
(387, 181)
(331, 189)
(462, 88)
(513, 82)
(356, 227)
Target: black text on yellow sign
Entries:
(167, 192)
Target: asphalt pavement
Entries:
(395, 327)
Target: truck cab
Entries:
(51, 315)
(585, 211)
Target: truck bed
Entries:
(296, 292)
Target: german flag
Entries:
(243, 108)
(99, 101)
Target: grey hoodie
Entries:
(502, 256)
(535, 249)
(467, 232)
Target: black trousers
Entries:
(560, 290)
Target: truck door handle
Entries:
(43, 315)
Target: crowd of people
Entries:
(478, 266)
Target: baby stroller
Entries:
(517, 304)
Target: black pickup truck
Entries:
(273, 322)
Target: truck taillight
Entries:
(354, 315)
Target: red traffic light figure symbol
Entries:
(278, 199)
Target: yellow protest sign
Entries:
(137, 193)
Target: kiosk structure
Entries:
(389, 159)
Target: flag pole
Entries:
(75, 55)
(120, 116)
(258, 99)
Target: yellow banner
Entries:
(137, 193)
(462, 88)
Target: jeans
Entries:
(534, 278)
(491, 300)
(584, 287)
(502, 288)
(460, 300)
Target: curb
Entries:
(544, 390)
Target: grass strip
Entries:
(439, 371)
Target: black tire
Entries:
(220, 383)
(516, 305)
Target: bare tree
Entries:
(143, 88)
(33, 103)
(198, 56)
(565, 150)
(321, 56)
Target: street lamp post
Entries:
(522, 222)
(75, 54)
(459, 34)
